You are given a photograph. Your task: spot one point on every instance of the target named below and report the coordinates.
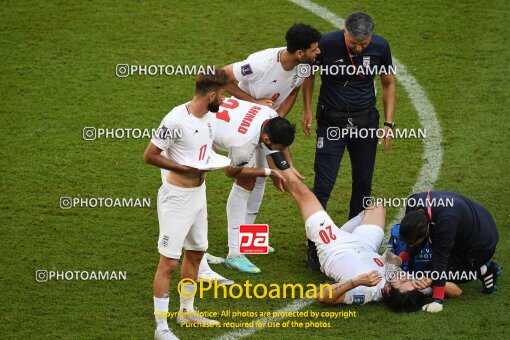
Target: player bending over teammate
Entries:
(266, 78)
(349, 255)
(249, 132)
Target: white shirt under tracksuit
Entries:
(182, 212)
(261, 76)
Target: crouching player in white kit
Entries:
(349, 255)
(182, 206)
(249, 132)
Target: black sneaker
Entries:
(312, 258)
(490, 278)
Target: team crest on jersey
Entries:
(162, 132)
(358, 299)
(366, 61)
(295, 79)
(164, 242)
(246, 69)
(210, 130)
(320, 142)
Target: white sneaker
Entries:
(192, 317)
(164, 334)
(214, 259)
(211, 275)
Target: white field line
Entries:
(432, 155)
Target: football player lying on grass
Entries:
(349, 255)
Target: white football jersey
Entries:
(361, 263)
(238, 122)
(261, 75)
(184, 138)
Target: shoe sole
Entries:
(227, 283)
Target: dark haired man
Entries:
(268, 78)
(349, 255)
(463, 237)
(250, 133)
(347, 100)
(182, 204)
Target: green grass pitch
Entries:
(58, 76)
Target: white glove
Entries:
(433, 307)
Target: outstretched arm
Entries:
(307, 203)
(339, 289)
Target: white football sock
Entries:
(187, 302)
(160, 312)
(204, 266)
(255, 200)
(236, 212)
(350, 225)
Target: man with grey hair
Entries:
(350, 60)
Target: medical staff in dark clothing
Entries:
(463, 236)
(350, 60)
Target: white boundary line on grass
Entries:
(432, 155)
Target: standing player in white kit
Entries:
(182, 205)
(270, 78)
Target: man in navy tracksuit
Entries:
(463, 236)
(347, 101)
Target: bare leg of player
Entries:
(166, 268)
(376, 216)
(189, 270)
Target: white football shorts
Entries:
(333, 242)
(182, 215)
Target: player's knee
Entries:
(246, 183)
(376, 216)
(455, 293)
(380, 210)
(167, 265)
